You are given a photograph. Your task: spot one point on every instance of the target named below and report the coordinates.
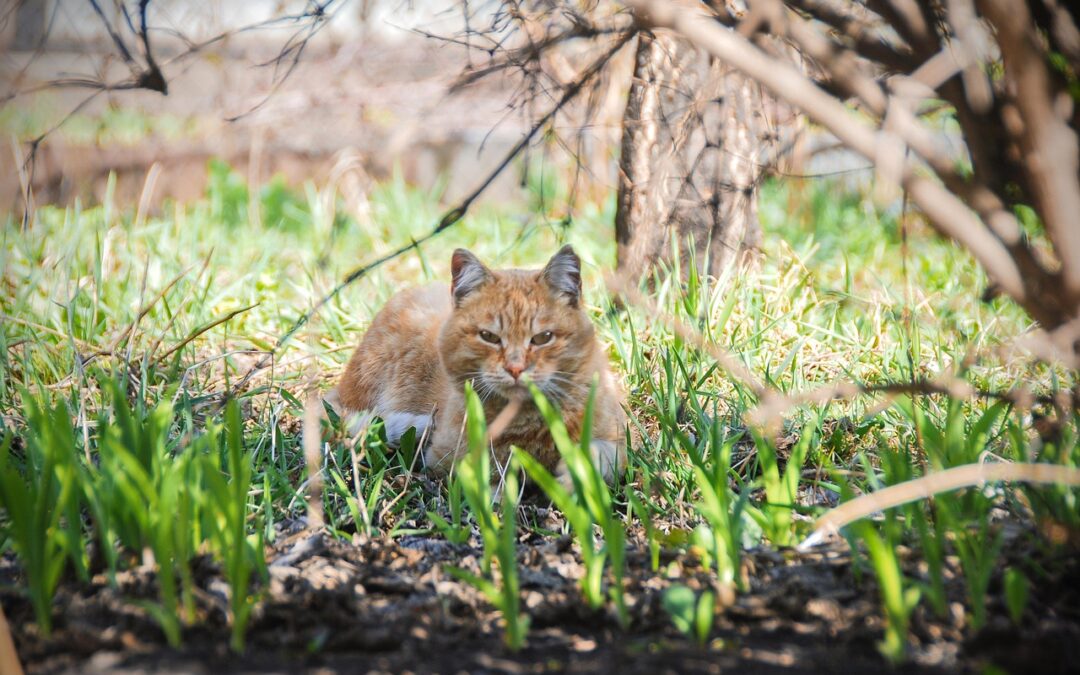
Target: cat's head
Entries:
(509, 325)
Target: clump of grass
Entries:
(590, 504)
(1055, 508)
(238, 544)
(152, 294)
(144, 498)
(898, 596)
(691, 613)
(644, 512)
(499, 536)
(781, 490)
(724, 511)
(474, 476)
(42, 503)
(455, 530)
(1016, 594)
(957, 440)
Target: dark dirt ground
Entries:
(388, 606)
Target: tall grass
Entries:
(177, 307)
(499, 534)
(41, 501)
(588, 505)
(142, 493)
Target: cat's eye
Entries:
(489, 337)
(541, 339)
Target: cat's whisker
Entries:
(484, 389)
(556, 390)
(564, 383)
(568, 378)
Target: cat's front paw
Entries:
(563, 477)
(608, 457)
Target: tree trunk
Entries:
(695, 140)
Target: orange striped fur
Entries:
(495, 328)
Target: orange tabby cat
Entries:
(496, 328)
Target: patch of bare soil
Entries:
(389, 606)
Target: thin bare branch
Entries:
(114, 36)
(968, 475)
(866, 35)
(202, 329)
(620, 286)
(9, 658)
(313, 457)
(775, 404)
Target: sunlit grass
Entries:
(112, 125)
(841, 290)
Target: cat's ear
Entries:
(563, 275)
(468, 274)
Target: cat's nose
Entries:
(515, 369)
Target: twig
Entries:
(504, 418)
(775, 403)
(313, 459)
(52, 331)
(934, 483)
(202, 329)
(151, 78)
(195, 47)
(297, 51)
(9, 658)
(117, 40)
(516, 57)
(620, 286)
(868, 42)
